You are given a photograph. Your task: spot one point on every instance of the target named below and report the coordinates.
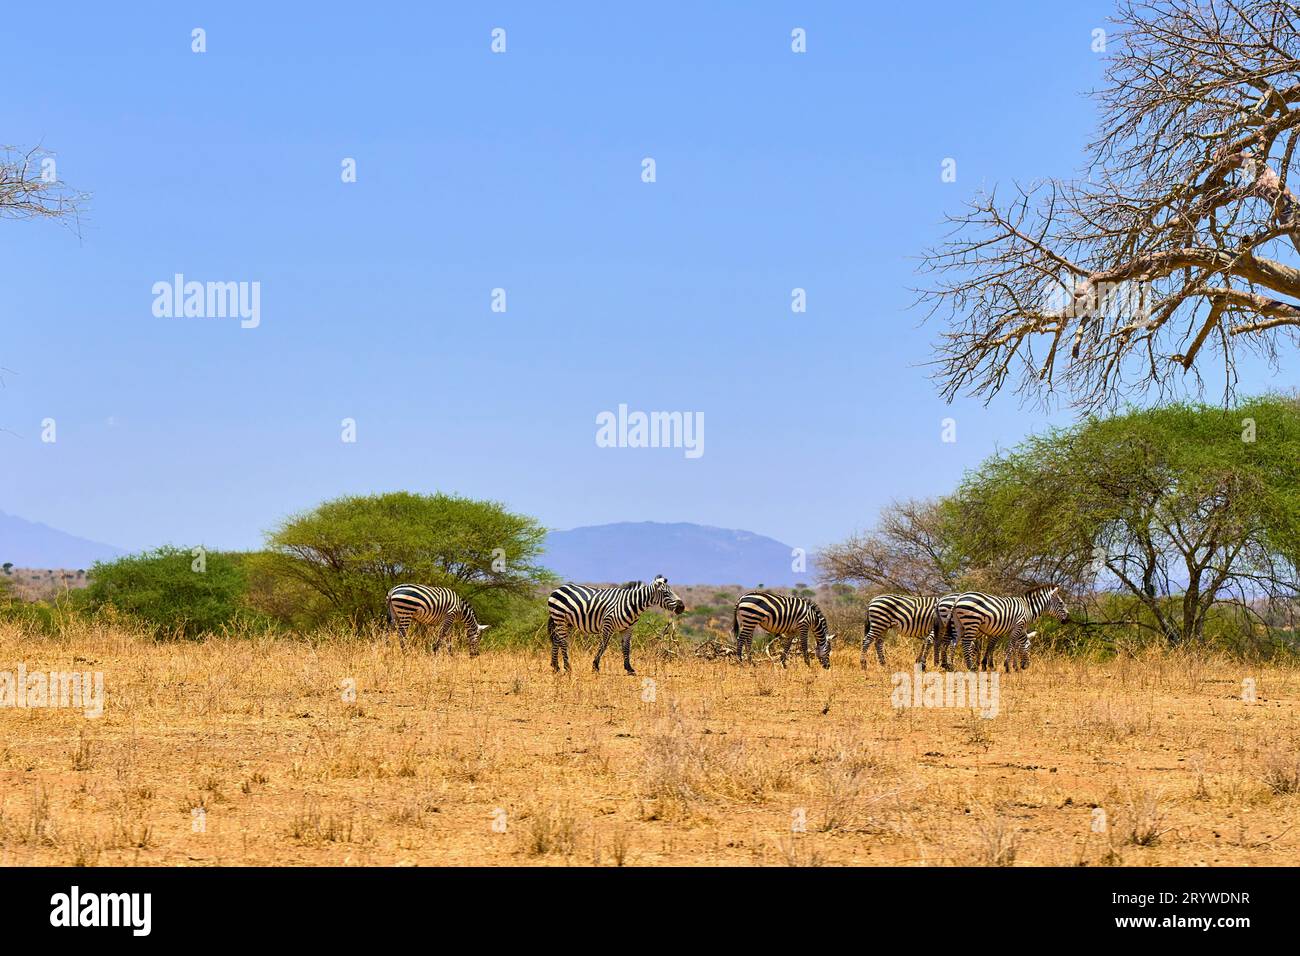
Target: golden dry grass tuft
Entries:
(333, 751)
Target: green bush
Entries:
(173, 591)
(37, 617)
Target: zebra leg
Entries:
(968, 642)
(555, 645)
(606, 634)
(444, 637)
(1013, 648)
(745, 643)
(627, 650)
(871, 635)
(989, 647)
(926, 641)
(803, 645)
(785, 651)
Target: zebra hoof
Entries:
(630, 670)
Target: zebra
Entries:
(976, 614)
(781, 617)
(576, 609)
(437, 606)
(913, 616)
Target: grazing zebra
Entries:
(437, 606)
(913, 616)
(975, 615)
(781, 617)
(574, 609)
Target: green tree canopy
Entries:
(1185, 501)
(346, 553)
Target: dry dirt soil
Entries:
(251, 752)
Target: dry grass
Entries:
(246, 752)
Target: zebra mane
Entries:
(631, 584)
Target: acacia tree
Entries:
(1179, 251)
(347, 553)
(1182, 507)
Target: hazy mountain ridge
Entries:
(30, 544)
(686, 553)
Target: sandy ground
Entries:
(244, 752)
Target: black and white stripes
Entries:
(439, 607)
(978, 615)
(575, 608)
(783, 617)
(913, 616)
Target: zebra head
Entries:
(663, 595)
(821, 628)
(1056, 606)
(824, 650)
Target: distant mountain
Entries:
(685, 553)
(29, 544)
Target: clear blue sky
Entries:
(520, 171)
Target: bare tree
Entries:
(30, 187)
(1178, 252)
(908, 551)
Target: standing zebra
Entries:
(781, 617)
(913, 616)
(976, 615)
(575, 609)
(437, 606)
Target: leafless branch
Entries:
(1180, 248)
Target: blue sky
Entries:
(521, 171)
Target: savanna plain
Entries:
(250, 751)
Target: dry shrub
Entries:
(998, 842)
(551, 830)
(684, 763)
(1280, 772)
(1142, 817)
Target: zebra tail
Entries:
(392, 618)
(735, 622)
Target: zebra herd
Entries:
(962, 618)
(941, 623)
